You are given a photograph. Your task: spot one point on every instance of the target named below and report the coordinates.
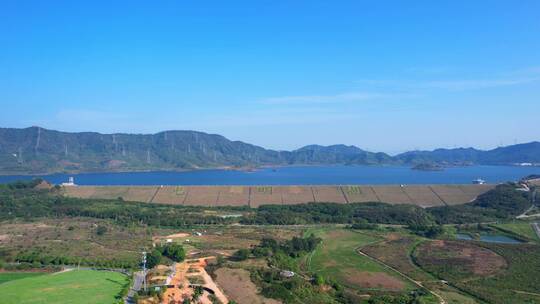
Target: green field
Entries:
(12, 276)
(520, 228)
(491, 272)
(337, 258)
(82, 286)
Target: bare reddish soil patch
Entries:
(367, 279)
(238, 286)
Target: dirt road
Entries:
(179, 287)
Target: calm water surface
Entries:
(307, 175)
(490, 238)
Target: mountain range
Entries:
(37, 150)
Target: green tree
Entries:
(101, 230)
(241, 254)
(319, 280)
(197, 293)
(153, 258)
(175, 252)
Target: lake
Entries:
(490, 238)
(298, 175)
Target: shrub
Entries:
(101, 230)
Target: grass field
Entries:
(395, 252)
(12, 276)
(494, 273)
(520, 228)
(337, 257)
(77, 287)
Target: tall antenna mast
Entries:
(20, 157)
(37, 139)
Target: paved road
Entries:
(137, 285)
(524, 214)
(536, 227)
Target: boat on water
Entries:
(478, 181)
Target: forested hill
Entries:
(38, 150)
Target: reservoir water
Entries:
(297, 175)
(489, 238)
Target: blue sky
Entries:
(383, 75)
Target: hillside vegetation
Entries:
(38, 150)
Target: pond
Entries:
(489, 238)
(463, 236)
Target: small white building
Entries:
(71, 182)
(287, 273)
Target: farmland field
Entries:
(77, 287)
(337, 257)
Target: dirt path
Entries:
(64, 270)
(180, 285)
(209, 283)
(527, 293)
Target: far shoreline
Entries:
(248, 169)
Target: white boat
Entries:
(478, 181)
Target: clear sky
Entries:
(383, 75)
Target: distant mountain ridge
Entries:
(37, 150)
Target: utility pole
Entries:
(144, 269)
